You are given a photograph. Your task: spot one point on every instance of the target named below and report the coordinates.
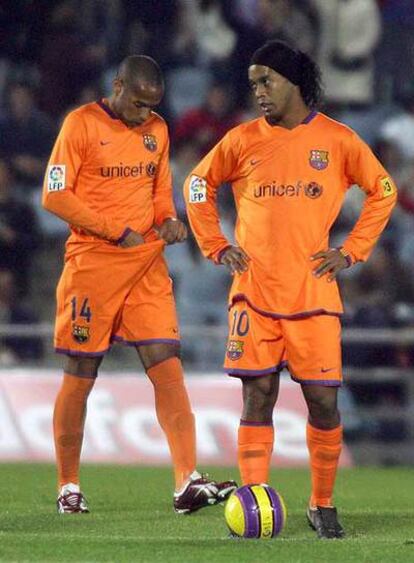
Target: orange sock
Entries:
(255, 447)
(175, 417)
(324, 449)
(68, 422)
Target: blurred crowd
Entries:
(56, 55)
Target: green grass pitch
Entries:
(131, 519)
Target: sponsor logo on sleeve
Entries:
(198, 189)
(56, 177)
(388, 187)
(319, 159)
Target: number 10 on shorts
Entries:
(240, 324)
(84, 311)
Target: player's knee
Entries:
(83, 367)
(153, 354)
(259, 397)
(323, 409)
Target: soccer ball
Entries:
(255, 511)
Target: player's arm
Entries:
(59, 196)
(363, 169)
(168, 226)
(200, 196)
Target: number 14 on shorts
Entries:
(83, 311)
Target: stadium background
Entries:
(55, 55)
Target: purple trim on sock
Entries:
(121, 340)
(332, 430)
(124, 236)
(253, 423)
(241, 297)
(107, 109)
(324, 382)
(80, 354)
(278, 514)
(254, 373)
(309, 117)
(250, 511)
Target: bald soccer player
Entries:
(290, 171)
(109, 178)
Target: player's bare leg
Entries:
(68, 424)
(256, 433)
(324, 437)
(192, 490)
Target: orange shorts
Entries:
(122, 295)
(309, 347)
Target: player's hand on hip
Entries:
(173, 230)
(235, 259)
(332, 262)
(132, 239)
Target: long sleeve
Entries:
(59, 194)
(363, 169)
(200, 195)
(163, 191)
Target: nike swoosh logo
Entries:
(325, 370)
(105, 143)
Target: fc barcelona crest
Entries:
(150, 142)
(80, 333)
(235, 349)
(318, 159)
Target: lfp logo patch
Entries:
(198, 189)
(235, 349)
(56, 177)
(318, 159)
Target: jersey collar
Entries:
(309, 117)
(107, 109)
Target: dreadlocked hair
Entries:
(310, 82)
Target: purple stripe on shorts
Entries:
(121, 340)
(324, 382)
(304, 315)
(250, 511)
(253, 423)
(254, 373)
(81, 354)
(278, 515)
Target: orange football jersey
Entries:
(104, 178)
(289, 186)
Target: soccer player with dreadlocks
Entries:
(290, 171)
